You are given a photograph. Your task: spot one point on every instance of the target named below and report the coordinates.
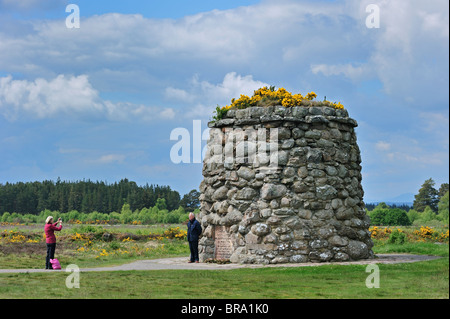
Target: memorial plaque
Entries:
(222, 242)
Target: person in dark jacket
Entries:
(193, 233)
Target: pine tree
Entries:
(443, 207)
(427, 196)
(443, 190)
(191, 200)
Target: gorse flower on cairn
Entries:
(268, 96)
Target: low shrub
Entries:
(397, 237)
(389, 217)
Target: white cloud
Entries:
(232, 86)
(301, 45)
(435, 122)
(43, 98)
(237, 37)
(167, 113)
(383, 146)
(147, 113)
(408, 54)
(203, 96)
(402, 158)
(178, 95)
(435, 22)
(402, 153)
(436, 127)
(110, 158)
(354, 73)
(411, 51)
(70, 96)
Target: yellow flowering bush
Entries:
(428, 233)
(78, 236)
(10, 224)
(337, 105)
(311, 96)
(82, 238)
(267, 96)
(130, 251)
(288, 101)
(380, 233)
(175, 232)
(424, 234)
(443, 236)
(15, 237)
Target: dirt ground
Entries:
(182, 263)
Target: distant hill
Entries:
(390, 203)
(403, 199)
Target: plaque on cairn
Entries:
(223, 244)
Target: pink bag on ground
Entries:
(55, 263)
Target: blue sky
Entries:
(173, 9)
(100, 102)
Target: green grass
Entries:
(418, 248)
(414, 280)
(23, 255)
(420, 280)
(66, 256)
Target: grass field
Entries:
(23, 247)
(421, 280)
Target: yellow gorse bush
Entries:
(425, 233)
(78, 237)
(269, 96)
(381, 233)
(443, 236)
(10, 224)
(337, 105)
(81, 238)
(88, 222)
(15, 237)
(175, 232)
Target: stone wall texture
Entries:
(283, 185)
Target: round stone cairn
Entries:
(283, 185)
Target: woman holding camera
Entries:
(50, 239)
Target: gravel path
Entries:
(181, 263)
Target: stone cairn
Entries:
(283, 185)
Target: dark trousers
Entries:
(193, 247)
(50, 255)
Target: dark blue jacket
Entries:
(194, 230)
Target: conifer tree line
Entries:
(87, 196)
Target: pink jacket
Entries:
(50, 237)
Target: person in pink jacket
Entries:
(50, 239)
